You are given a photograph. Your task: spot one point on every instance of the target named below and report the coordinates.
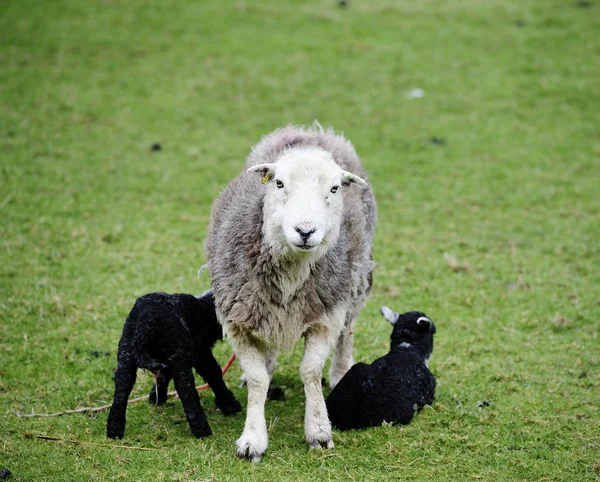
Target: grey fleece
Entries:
(246, 277)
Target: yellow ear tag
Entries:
(265, 179)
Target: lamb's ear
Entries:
(349, 178)
(207, 296)
(266, 170)
(423, 323)
(389, 315)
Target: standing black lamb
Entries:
(393, 387)
(169, 335)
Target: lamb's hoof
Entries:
(276, 393)
(201, 433)
(230, 408)
(115, 433)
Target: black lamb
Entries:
(169, 335)
(393, 387)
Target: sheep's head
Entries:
(413, 329)
(304, 201)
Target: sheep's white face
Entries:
(304, 202)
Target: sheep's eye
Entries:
(279, 184)
(334, 189)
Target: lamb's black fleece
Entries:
(393, 387)
(169, 335)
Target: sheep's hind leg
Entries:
(254, 439)
(124, 380)
(275, 392)
(185, 386)
(343, 358)
(317, 427)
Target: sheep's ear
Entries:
(389, 315)
(266, 170)
(349, 178)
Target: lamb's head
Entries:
(304, 201)
(413, 329)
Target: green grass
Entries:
(90, 219)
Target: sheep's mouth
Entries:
(304, 247)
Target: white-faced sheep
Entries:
(394, 386)
(169, 335)
(289, 251)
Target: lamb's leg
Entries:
(209, 369)
(254, 440)
(317, 427)
(124, 380)
(158, 394)
(185, 386)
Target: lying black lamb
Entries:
(169, 335)
(393, 387)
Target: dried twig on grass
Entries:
(81, 442)
(172, 394)
(76, 410)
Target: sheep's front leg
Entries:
(254, 440)
(317, 427)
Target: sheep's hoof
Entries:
(321, 443)
(250, 448)
(249, 455)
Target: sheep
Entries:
(289, 252)
(168, 335)
(394, 386)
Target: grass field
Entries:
(489, 221)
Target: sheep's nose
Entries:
(304, 234)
